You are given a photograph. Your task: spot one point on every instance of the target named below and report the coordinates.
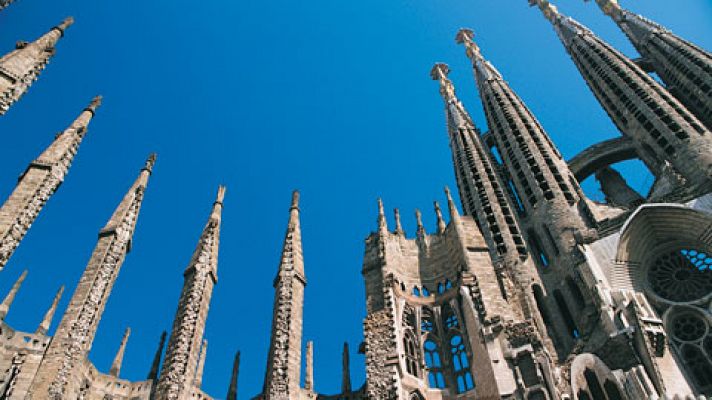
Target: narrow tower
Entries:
(179, 366)
(39, 182)
(543, 186)
(282, 379)
(663, 130)
(58, 377)
(153, 372)
(345, 371)
(232, 389)
(23, 65)
(481, 191)
(43, 328)
(7, 302)
(686, 69)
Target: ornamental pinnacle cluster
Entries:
(533, 292)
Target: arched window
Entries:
(434, 364)
(461, 364)
(449, 318)
(441, 288)
(411, 353)
(566, 314)
(594, 387)
(426, 321)
(448, 284)
(425, 292)
(416, 291)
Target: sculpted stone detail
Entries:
(380, 356)
(521, 334)
(11, 375)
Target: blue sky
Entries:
(331, 97)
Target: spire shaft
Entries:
(119, 358)
(282, 379)
(43, 328)
(399, 227)
(153, 372)
(22, 66)
(439, 217)
(74, 337)
(201, 366)
(39, 182)
(309, 373)
(482, 192)
(684, 67)
(232, 390)
(662, 129)
(382, 224)
(5, 305)
(345, 371)
(184, 346)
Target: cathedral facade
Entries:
(532, 291)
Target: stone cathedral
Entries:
(529, 290)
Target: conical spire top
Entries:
(292, 258)
(440, 73)
(5, 306)
(454, 214)
(132, 200)
(466, 37)
(232, 390)
(66, 23)
(399, 227)
(610, 8)
(119, 359)
(47, 320)
(419, 220)
(382, 224)
(439, 216)
(153, 373)
(94, 104)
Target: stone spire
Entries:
(661, 128)
(201, 365)
(119, 358)
(153, 373)
(439, 217)
(309, 373)
(57, 376)
(345, 371)
(39, 182)
(684, 67)
(542, 185)
(481, 191)
(23, 65)
(282, 380)
(43, 328)
(232, 390)
(382, 224)
(183, 352)
(420, 230)
(5, 305)
(399, 228)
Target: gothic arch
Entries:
(592, 379)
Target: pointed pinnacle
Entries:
(454, 214)
(439, 73)
(419, 220)
(549, 10)
(232, 389)
(150, 161)
(382, 224)
(345, 370)
(119, 358)
(295, 200)
(44, 326)
(399, 227)
(439, 216)
(66, 23)
(5, 306)
(218, 204)
(610, 8)
(95, 103)
(309, 375)
(153, 373)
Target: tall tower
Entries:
(685, 68)
(183, 351)
(482, 193)
(282, 379)
(547, 194)
(663, 130)
(22, 66)
(58, 377)
(39, 182)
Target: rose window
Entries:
(681, 275)
(689, 327)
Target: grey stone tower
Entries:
(39, 182)
(59, 375)
(184, 346)
(686, 69)
(22, 66)
(663, 130)
(282, 379)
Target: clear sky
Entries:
(331, 97)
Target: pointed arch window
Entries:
(449, 318)
(461, 364)
(434, 364)
(411, 353)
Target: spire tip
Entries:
(221, 194)
(295, 200)
(440, 70)
(150, 161)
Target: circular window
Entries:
(688, 327)
(681, 275)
